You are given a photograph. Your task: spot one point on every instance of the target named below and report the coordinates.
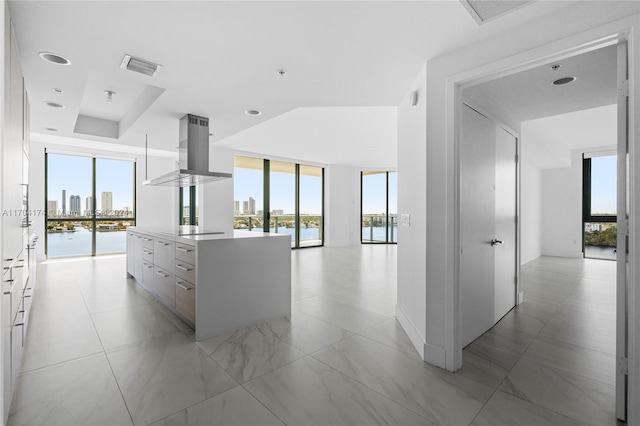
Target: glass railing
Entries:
(376, 228)
(310, 227)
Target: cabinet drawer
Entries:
(147, 276)
(164, 284)
(186, 253)
(186, 299)
(185, 271)
(164, 254)
(147, 254)
(147, 241)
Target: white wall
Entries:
(155, 207)
(412, 178)
(530, 212)
(562, 209)
(342, 206)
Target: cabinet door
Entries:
(165, 286)
(137, 258)
(186, 299)
(147, 277)
(131, 254)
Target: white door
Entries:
(622, 249)
(487, 223)
(505, 222)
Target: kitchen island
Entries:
(216, 283)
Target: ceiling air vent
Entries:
(486, 10)
(139, 65)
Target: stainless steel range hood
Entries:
(193, 156)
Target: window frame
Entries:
(387, 214)
(93, 218)
(266, 201)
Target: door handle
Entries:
(495, 242)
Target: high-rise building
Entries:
(252, 205)
(236, 208)
(64, 202)
(74, 205)
(89, 205)
(245, 207)
(107, 203)
(52, 208)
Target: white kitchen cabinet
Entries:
(219, 283)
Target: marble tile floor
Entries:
(101, 351)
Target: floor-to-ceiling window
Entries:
(280, 197)
(379, 211)
(90, 203)
(599, 206)
(189, 205)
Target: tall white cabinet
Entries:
(18, 242)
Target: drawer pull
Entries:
(183, 268)
(184, 249)
(179, 284)
(164, 244)
(148, 239)
(163, 275)
(149, 266)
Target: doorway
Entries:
(488, 93)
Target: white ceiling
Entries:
(553, 120)
(530, 94)
(220, 59)
(353, 136)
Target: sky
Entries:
(603, 184)
(248, 183)
(73, 173)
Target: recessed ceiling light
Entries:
(58, 91)
(51, 129)
(252, 112)
(564, 80)
(54, 58)
(53, 104)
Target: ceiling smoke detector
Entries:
(140, 65)
(252, 112)
(54, 58)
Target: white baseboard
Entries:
(411, 331)
(435, 355)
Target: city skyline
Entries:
(75, 203)
(248, 183)
(73, 174)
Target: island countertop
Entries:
(214, 235)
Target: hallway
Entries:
(102, 351)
